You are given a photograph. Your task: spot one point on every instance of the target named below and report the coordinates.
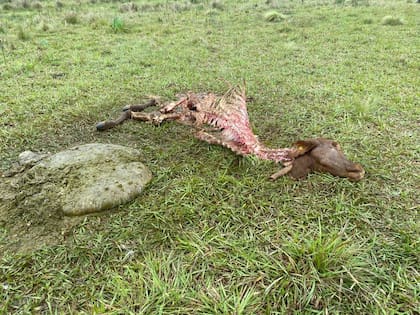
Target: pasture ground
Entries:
(211, 235)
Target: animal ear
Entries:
(302, 147)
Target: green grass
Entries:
(211, 235)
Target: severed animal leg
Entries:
(141, 107)
(105, 125)
(171, 106)
(155, 118)
(285, 170)
(126, 114)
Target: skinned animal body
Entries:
(224, 120)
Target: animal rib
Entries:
(229, 116)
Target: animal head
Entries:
(320, 155)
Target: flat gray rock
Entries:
(94, 177)
(44, 191)
(88, 178)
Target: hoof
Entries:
(101, 126)
(126, 108)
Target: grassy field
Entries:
(211, 235)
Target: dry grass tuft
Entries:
(129, 7)
(392, 20)
(274, 16)
(71, 18)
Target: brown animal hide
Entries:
(320, 155)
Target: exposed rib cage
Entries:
(228, 118)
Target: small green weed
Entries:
(324, 254)
(117, 24)
(23, 34)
